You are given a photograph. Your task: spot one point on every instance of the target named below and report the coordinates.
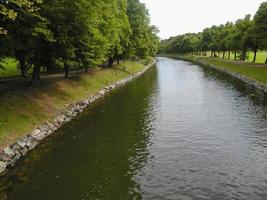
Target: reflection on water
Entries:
(179, 132)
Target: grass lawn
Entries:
(23, 110)
(260, 59)
(11, 70)
(258, 73)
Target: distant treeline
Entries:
(240, 37)
(53, 34)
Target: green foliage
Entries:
(261, 24)
(7, 12)
(10, 68)
(143, 41)
(83, 33)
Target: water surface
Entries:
(179, 132)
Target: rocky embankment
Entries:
(251, 82)
(10, 155)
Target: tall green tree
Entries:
(26, 34)
(141, 40)
(52, 34)
(7, 13)
(260, 20)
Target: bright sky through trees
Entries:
(174, 17)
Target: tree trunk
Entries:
(20, 55)
(36, 69)
(243, 57)
(110, 62)
(223, 54)
(235, 55)
(229, 54)
(66, 70)
(23, 67)
(36, 73)
(255, 55)
(266, 61)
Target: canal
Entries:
(180, 131)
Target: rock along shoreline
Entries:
(11, 154)
(253, 83)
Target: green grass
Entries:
(11, 70)
(258, 73)
(260, 59)
(23, 110)
(251, 71)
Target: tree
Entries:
(243, 26)
(52, 34)
(143, 38)
(206, 39)
(261, 25)
(115, 28)
(25, 33)
(251, 41)
(7, 13)
(229, 29)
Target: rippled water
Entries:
(179, 132)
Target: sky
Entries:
(175, 17)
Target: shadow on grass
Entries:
(23, 107)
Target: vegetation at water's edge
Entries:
(251, 71)
(58, 35)
(22, 110)
(55, 36)
(228, 41)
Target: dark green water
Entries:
(179, 132)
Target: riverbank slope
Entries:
(23, 109)
(252, 74)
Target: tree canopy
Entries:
(53, 34)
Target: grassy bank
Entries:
(257, 72)
(260, 59)
(22, 110)
(10, 68)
